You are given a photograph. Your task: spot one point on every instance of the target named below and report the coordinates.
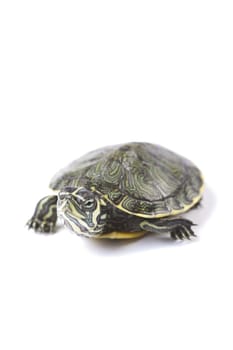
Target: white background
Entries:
(77, 75)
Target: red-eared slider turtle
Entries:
(123, 191)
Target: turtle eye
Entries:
(89, 203)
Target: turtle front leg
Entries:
(45, 216)
(178, 228)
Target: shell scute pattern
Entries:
(139, 178)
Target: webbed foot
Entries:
(178, 228)
(45, 216)
(183, 231)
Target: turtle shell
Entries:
(142, 179)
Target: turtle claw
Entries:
(182, 232)
(41, 226)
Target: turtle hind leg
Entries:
(178, 228)
(45, 216)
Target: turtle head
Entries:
(82, 211)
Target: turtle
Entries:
(123, 191)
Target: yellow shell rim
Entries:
(162, 215)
